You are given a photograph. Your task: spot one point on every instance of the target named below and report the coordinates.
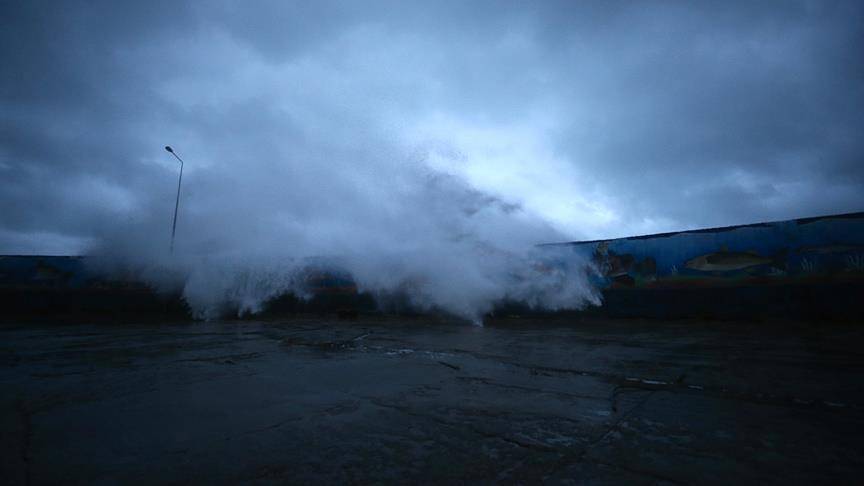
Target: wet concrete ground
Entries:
(411, 400)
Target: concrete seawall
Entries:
(811, 268)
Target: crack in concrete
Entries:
(675, 386)
(223, 358)
(332, 345)
(489, 382)
(449, 365)
(581, 455)
(532, 444)
(621, 381)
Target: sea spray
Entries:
(248, 230)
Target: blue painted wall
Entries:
(827, 249)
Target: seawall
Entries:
(809, 268)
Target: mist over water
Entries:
(367, 205)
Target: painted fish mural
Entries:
(725, 261)
(806, 251)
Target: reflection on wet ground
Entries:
(419, 400)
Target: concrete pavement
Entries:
(318, 400)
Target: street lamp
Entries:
(177, 203)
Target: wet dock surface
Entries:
(317, 400)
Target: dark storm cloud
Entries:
(606, 118)
(738, 116)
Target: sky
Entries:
(604, 119)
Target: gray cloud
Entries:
(682, 113)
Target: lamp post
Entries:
(177, 203)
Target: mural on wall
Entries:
(811, 250)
